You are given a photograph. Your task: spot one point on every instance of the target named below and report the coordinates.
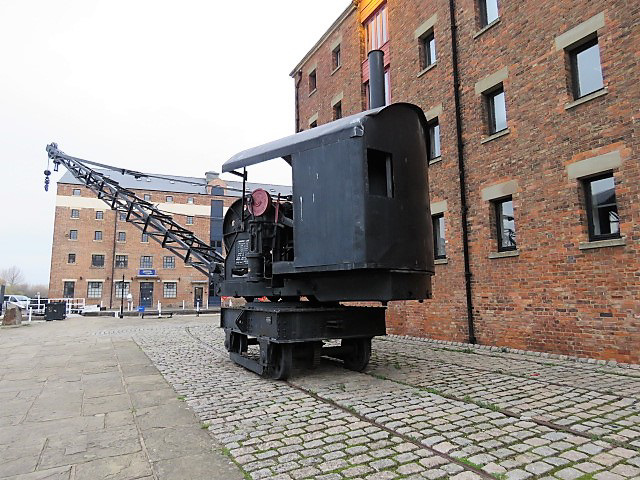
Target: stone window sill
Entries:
(612, 242)
(507, 253)
(334, 70)
(586, 98)
(313, 91)
(425, 70)
(441, 261)
(487, 27)
(499, 134)
(435, 160)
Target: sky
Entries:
(151, 85)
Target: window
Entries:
(337, 111)
(97, 235)
(488, 11)
(602, 208)
(439, 250)
(76, 192)
(73, 234)
(170, 289)
(169, 261)
(144, 238)
(75, 213)
(123, 216)
(586, 70)
(190, 200)
(313, 81)
(146, 261)
(387, 87)
(189, 220)
(122, 236)
(122, 289)
(497, 108)
(71, 258)
(428, 44)
(97, 261)
(99, 215)
(169, 199)
(434, 139)
(94, 290)
(122, 261)
(335, 57)
(69, 289)
(380, 173)
(376, 31)
(506, 225)
(147, 197)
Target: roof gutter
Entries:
(461, 170)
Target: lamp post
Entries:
(122, 297)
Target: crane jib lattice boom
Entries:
(143, 214)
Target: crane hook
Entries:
(47, 172)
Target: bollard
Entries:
(183, 304)
(159, 309)
(197, 309)
(30, 314)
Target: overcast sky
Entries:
(153, 85)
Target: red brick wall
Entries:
(553, 296)
(330, 83)
(187, 277)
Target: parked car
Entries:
(21, 301)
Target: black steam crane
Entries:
(357, 228)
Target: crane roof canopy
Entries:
(351, 126)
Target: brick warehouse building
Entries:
(93, 246)
(541, 144)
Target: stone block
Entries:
(13, 316)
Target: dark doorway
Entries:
(146, 294)
(197, 296)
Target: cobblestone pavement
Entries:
(422, 409)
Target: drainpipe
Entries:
(297, 89)
(461, 170)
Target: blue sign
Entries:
(146, 272)
(141, 308)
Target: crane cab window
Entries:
(380, 173)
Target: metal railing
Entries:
(73, 305)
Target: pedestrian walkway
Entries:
(76, 405)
